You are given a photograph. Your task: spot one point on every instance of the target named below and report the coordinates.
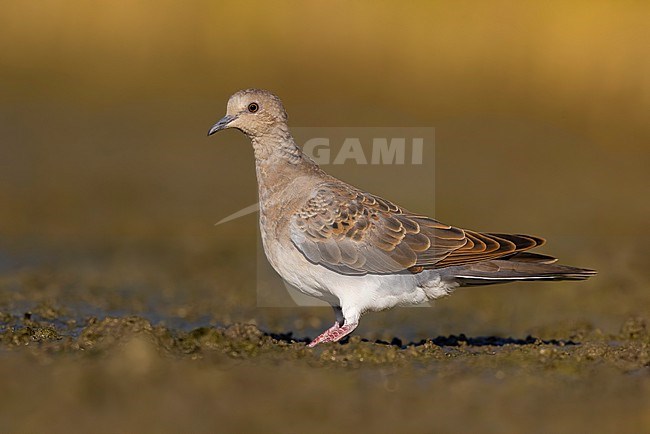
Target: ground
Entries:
(81, 350)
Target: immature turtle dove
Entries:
(358, 251)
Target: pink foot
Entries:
(333, 334)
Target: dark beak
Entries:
(222, 124)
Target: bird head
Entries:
(255, 112)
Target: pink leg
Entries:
(333, 334)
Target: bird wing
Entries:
(353, 232)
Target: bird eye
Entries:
(253, 107)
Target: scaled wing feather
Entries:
(353, 232)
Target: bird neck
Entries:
(276, 147)
(279, 163)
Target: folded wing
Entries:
(353, 232)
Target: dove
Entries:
(355, 250)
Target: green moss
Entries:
(627, 351)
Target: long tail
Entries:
(520, 266)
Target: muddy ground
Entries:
(132, 341)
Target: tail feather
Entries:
(531, 257)
(521, 266)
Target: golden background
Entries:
(109, 186)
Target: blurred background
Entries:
(541, 118)
(109, 188)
